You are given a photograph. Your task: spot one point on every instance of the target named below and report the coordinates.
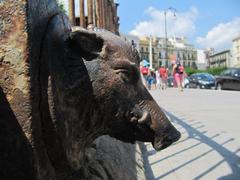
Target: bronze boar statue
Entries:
(97, 89)
(78, 85)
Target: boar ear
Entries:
(85, 44)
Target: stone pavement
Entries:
(209, 148)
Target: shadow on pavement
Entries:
(147, 167)
(232, 160)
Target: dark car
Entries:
(170, 82)
(201, 81)
(229, 79)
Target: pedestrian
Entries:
(178, 74)
(144, 72)
(163, 75)
(158, 80)
(153, 82)
(148, 80)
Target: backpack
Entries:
(179, 69)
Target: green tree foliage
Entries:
(213, 71)
(216, 71)
(61, 5)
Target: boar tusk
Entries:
(145, 118)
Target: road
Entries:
(209, 148)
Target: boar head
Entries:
(127, 110)
(97, 89)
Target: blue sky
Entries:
(206, 23)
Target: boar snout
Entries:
(166, 139)
(164, 132)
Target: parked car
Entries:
(229, 79)
(201, 81)
(170, 82)
(186, 82)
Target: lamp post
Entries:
(150, 52)
(173, 10)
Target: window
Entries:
(160, 63)
(226, 72)
(184, 56)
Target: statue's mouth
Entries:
(139, 127)
(142, 120)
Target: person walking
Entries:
(144, 72)
(158, 80)
(178, 74)
(151, 80)
(163, 75)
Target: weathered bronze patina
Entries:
(63, 88)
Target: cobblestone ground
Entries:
(209, 148)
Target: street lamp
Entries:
(173, 10)
(150, 52)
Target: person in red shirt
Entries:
(163, 72)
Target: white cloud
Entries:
(220, 37)
(183, 24)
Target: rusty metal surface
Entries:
(14, 67)
(16, 160)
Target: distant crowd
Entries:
(158, 78)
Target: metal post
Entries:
(82, 14)
(71, 10)
(150, 52)
(90, 13)
(104, 14)
(166, 38)
(98, 14)
(166, 44)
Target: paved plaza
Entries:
(209, 148)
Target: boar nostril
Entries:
(134, 120)
(145, 118)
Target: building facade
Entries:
(236, 52)
(100, 14)
(177, 48)
(201, 59)
(134, 40)
(220, 59)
